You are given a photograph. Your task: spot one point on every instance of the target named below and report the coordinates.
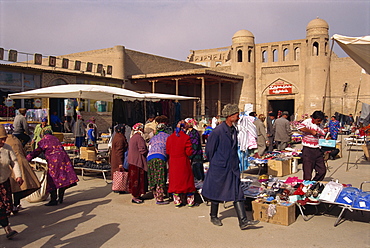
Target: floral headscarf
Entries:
(47, 131)
(161, 127)
(138, 127)
(191, 122)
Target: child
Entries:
(91, 139)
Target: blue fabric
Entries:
(156, 155)
(90, 135)
(362, 201)
(348, 195)
(222, 181)
(243, 159)
(125, 163)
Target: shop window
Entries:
(296, 53)
(264, 56)
(315, 49)
(240, 56)
(285, 54)
(274, 55)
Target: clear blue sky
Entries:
(167, 28)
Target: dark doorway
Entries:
(283, 105)
(57, 105)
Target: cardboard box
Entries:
(87, 148)
(88, 155)
(279, 168)
(285, 215)
(366, 149)
(60, 136)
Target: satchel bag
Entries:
(40, 194)
(120, 181)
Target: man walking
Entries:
(222, 181)
(283, 132)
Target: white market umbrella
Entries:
(85, 91)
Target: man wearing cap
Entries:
(20, 124)
(283, 132)
(222, 181)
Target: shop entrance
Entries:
(57, 105)
(283, 105)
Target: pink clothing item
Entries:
(308, 139)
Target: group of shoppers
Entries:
(147, 160)
(17, 178)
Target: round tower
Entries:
(317, 66)
(243, 63)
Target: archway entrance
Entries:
(283, 105)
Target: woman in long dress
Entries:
(119, 148)
(31, 182)
(8, 160)
(61, 174)
(138, 168)
(157, 164)
(181, 179)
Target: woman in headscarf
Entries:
(138, 168)
(61, 174)
(119, 147)
(8, 160)
(157, 163)
(31, 182)
(37, 134)
(197, 157)
(181, 179)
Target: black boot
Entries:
(61, 195)
(242, 216)
(53, 199)
(214, 212)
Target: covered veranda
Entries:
(214, 89)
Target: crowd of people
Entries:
(161, 159)
(18, 179)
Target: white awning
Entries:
(94, 92)
(358, 48)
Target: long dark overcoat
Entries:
(222, 181)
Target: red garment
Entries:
(181, 178)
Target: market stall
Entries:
(85, 159)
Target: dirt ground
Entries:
(93, 216)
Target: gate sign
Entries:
(277, 89)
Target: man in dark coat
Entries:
(270, 131)
(222, 182)
(283, 132)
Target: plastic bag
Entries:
(40, 194)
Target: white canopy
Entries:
(85, 91)
(159, 96)
(358, 48)
(94, 92)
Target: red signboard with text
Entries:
(280, 89)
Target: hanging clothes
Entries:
(247, 136)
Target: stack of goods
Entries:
(99, 165)
(345, 194)
(69, 147)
